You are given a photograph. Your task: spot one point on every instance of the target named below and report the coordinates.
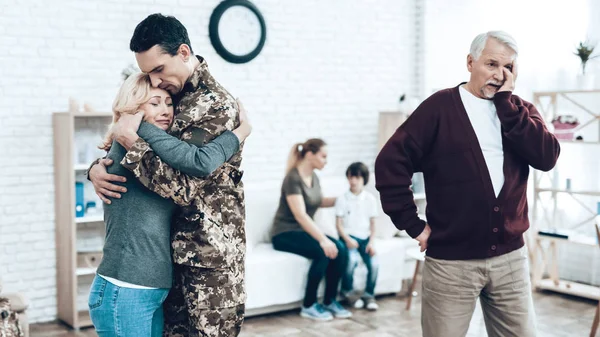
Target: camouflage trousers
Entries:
(204, 303)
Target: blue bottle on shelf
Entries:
(79, 207)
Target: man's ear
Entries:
(185, 52)
(470, 61)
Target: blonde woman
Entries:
(294, 230)
(135, 274)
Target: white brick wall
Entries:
(327, 69)
(546, 61)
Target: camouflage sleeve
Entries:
(159, 177)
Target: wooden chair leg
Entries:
(596, 321)
(413, 285)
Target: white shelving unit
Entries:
(90, 218)
(68, 258)
(545, 249)
(81, 167)
(85, 271)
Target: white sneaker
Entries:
(359, 304)
(371, 304)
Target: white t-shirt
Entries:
(122, 284)
(485, 122)
(357, 211)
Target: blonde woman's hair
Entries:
(299, 150)
(134, 92)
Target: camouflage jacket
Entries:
(208, 230)
(10, 326)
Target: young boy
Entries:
(356, 211)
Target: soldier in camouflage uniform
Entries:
(209, 239)
(208, 231)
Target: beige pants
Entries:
(451, 289)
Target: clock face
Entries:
(237, 30)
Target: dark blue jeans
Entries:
(301, 243)
(370, 262)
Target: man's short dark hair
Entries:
(358, 169)
(158, 29)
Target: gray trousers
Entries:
(502, 284)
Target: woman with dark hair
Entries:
(294, 230)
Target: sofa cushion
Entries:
(274, 277)
(262, 200)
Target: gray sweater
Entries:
(137, 246)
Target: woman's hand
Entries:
(329, 248)
(351, 243)
(245, 128)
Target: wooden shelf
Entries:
(571, 288)
(545, 249)
(574, 238)
(389, 121)
(84, 319)
(81, 167)
(577, 142)
(85, 271)
(90, 218)
(559, 190)
(68, 274)
(550, 93)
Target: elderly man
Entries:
(474, 144)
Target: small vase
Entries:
(585, 81)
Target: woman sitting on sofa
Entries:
(295, 231)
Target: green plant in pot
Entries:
(585, 52)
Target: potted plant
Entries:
(584, 51)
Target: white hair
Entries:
(503, 37)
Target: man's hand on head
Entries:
(510, 77)
(125, 129)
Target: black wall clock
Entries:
(237, 30)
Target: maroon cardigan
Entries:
(467, 220)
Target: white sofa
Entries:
(276, 281)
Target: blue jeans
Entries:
(370, 262)
(126, 312)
